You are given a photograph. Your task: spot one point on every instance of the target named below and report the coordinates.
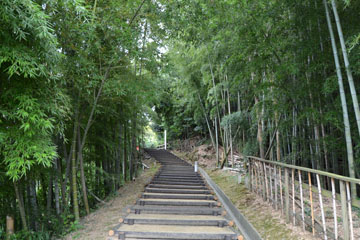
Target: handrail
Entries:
(327, 174)
(272, 179)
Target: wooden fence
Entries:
(299, 193)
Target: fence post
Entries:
(287, 196)
(250, 173)
(344, 210)
(9, 226)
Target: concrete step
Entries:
(178, 176)
(176, 202)
(169, 186)
(170, 219)
(175, 232)
(178, 196)
(182, 210)
(176, 180)
(177, 183)
(178, 191)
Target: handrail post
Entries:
(344, 210)
(250, 173)
(287, 195)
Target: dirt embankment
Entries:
(98, 223)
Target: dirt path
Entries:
(98, 223)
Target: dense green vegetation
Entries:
(79, 80)
(260, 76)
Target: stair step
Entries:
(178, 191)
(169, 186)
(176, 202)
(178, 196)
(168, 219)
(183, 210)
(174, 232)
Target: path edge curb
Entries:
(245, 227)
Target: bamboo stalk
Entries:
(271, 189)
(293, 194)
(311, 205)
(350, 210)
(276, 188)
(302, 200)
(321, 206)
(281, 196)
(333, 190)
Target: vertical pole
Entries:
(266, 183)
(165, 139)
(250, 175)
(321, 206)
(276, 188)
(287, 196)
(196, 166)
(281, 192)
(333, 191)
(270, 185)
(301, 200)
(344, 211)
(350, 211)
(311, 205)
(293, 195)
(9, 226)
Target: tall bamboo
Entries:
(349, 147)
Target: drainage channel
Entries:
(176, 204)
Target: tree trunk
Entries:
(348, 139)
(73, 170)
(347, 65)
(49, 193)
(259, 130)
(125, 154)
(118, 158)
(230, 134)
(20, 200)
(56, 186)
(34, 205)
(82, 174)
(207, 121)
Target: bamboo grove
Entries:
(77, 82)
(273, 79)
(80, 81)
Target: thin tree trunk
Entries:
(49, 193)
(207, 121)
(230, 134)
(34, 205)
(125, 154)
(217, 142)
(56, 188)
(259, 132)
(21, 206)
(118, 158)
(82, 175)
(73, 170)
(347, 65)
(349, 147)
